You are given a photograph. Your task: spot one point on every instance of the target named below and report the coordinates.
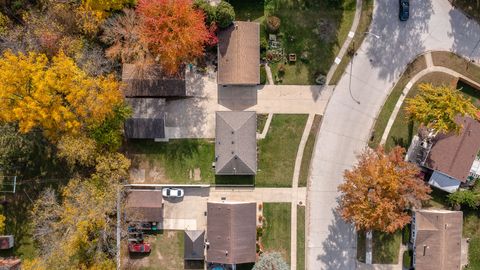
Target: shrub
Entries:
(464, 197)
(273, 24)
(281, 70)
(225, 14)
(263, 80)
(209, 10)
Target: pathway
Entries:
(346, 44)
(269, 74)
(295, 188)
(354, 106)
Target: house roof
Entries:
(148, 81)
(144, 205)
(239, 54)
(148, 118)
(438, 239)
(231, 232)
(194, 245)
(236, 143)
(454, 154)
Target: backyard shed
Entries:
(149, 81)
(231, 232)
(144, 205)
(148, 118)
(194, 242)
(239, 54)
(236, 143)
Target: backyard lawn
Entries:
(300, 237)
(308, 151)
(276, 234)
(277, 152)
(471, 229)
(166, 254)
(313, 30)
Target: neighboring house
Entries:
(239, 54)
(148, 81)
(10, 264)
(148, 119)
(452, 158)
(194, 245)
(231, 233)
(437, 239)
(236, 143)
(144, 206)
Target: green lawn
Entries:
(407, 259)
(276, 235)
(315, 28)
(361, 242)
(300, 237)
(363, 25)
(471, 229)
(403, 129)
(277, 152)
(386, 247)
(387, 109)
(457, 63)
(308, 151)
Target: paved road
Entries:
(356, 101)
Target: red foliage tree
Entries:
(173, 30)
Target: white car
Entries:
(172, 192)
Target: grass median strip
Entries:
(308, 151)
(300, 237)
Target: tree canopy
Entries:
(379, 189)
(438, 107)
(270, 261)
(55, 95)
(174, 31)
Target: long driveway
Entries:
(357, 99)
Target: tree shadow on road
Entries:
(399, 42)
(339, 249)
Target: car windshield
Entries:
(168, 191)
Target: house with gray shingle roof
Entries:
(236, 143)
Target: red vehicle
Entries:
(139, 247)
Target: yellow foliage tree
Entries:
(2, 224)
(56, 95)
(437, 107)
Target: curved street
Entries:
(355, 103)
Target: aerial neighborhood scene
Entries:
(239, 134)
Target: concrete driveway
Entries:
(356, 101)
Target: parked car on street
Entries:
(404, 10)
(172, 192)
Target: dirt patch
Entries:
(147, 171)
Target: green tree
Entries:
(209, 10)
(225, 14)
(438, 107)
(467, 198)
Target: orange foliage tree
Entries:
(379, 189)
(173, 30)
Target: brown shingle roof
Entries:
(144, 205)
(236, 143)
(231, 232)
(438, 239)
(148, 81)
(454, 154)
(193, 248)
(239, 54)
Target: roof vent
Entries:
(233, 142)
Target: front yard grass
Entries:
(403, 129)
(261, 121)
(386, 247)
(276, 234)
(314, 28)
(363, 25)
(300, 237)
(381, 122)
(308, 151)
(278, 151)
(457, 63)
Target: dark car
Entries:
(404, 10)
